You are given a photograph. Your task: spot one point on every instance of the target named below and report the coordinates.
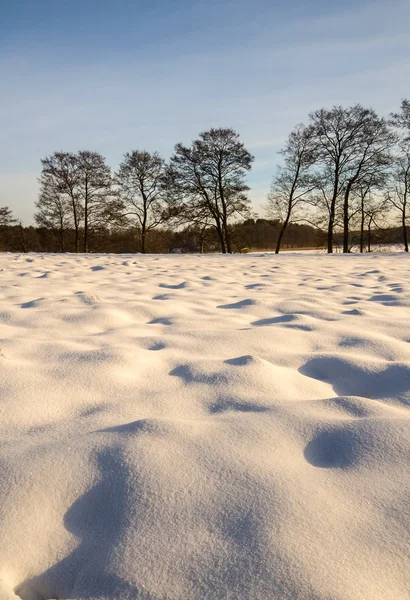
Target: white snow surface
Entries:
(205, 427)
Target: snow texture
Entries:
(205, 427)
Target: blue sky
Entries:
(114, 76)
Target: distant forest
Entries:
(250, 234)
(344, 181)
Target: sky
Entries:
(113, 76)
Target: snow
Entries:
(205, 427)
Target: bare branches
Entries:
(142, 179)
(210, 179)
(353, 144)
(294, 181)
(76, 190)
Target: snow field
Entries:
(205, 427)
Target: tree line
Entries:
(202, 184)
(344, 173)
(259, 234)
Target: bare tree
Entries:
(53, 210)
(293, 182)
(142, 180)
(398, 194)
(340, 141)
(99, 201)
(210, 175)
(81, 183)
(373, 159)
(60, 176)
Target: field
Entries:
(205, 427)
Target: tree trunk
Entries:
(282, 233)
(346, 218)
(144, 218)
(221, 237)
(362, 225)
(61, 237)
(75, 217)
(405, 241)
(23, 239)
(369, 246)
(330, 231)
(225, 232)
(203, 230)
(227, 237)
(85, 240)
(332, 211)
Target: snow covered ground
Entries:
(205, 427)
